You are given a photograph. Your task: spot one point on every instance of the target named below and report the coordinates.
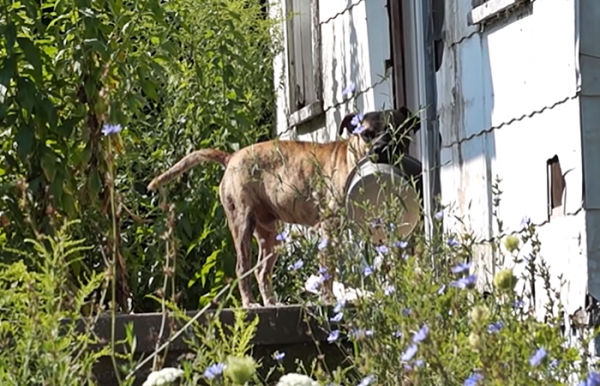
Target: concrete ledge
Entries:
(288, 329)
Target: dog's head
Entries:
(382, 134)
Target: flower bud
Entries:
(512, 243)
(240, 370)
(480, 314)
(475, 341)
(505, 280)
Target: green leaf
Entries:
(9, 65)
(48, 164)
(208, 265)
(50, 113)
(26, 94)
(10, 36)
(207, 231)
(32, 54)
(25, 139)
(94, 184)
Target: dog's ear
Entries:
(346, 124)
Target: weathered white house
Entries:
(514, 87)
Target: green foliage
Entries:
(178, 76)
(38, 319)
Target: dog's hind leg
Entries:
(266, 238)
(242, 226)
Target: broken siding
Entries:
(508, 102)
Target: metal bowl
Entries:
(371, 184)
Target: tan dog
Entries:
(282, 181)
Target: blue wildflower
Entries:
(323, 274)
(278, 356)
(349, 89)
(283, 236)
(473, 379)
(593, 379)
(465, 282)
(525, 222)
(337, 317)
(405, 256)
(400, 244)
(388, 290)
(366, 381)
(333, 336)
(367, 271)
(108, 129)
(461, 267)
(421, 334)
(410, 352)
(537, 357)
(377, 221)
(397, 334)
(495, 327)
(439, 215)
(339, 305)
(442, 289)
(323, 244)
(296, 266)
(419, 362)
(453, 242)
(359, 333)
(406, 311)
(518, 304)
(357, 119)
(554, 363)
(359, 130)
(214, 370)
(383, 249)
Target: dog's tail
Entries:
(188, 162)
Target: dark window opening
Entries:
(556, 186)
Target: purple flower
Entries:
(592, 380)
(453, 242)
(359, 130)
(333, 336)
(337, 317)
(377, 221)
(473, 379)
(400, 244)
(349, 89)
(525, 222)
(554, 363)
(367, 271)
(421, 334)
(296, 266)
(495, 327)
(419, 362)
(283, 236)
(461, 267)
(214, 370)
(388, 290)
(406, 311)
(357, 119)
(397, 334)
(439, 215)
(323, 244)
(323, 274)
(409, 353)
(442, 289)
(383, 249)
(340, 304)
(108, 129)
(405, 256)
(278, 356)
(366, 381)
(537, 358)
(464, 282)
(518, 304)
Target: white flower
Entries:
(293, 379)
(163, 377)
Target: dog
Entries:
(277, 181)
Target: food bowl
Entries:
(370, 185)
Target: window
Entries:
(485, 10)
(304, 60)
(556, 187)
